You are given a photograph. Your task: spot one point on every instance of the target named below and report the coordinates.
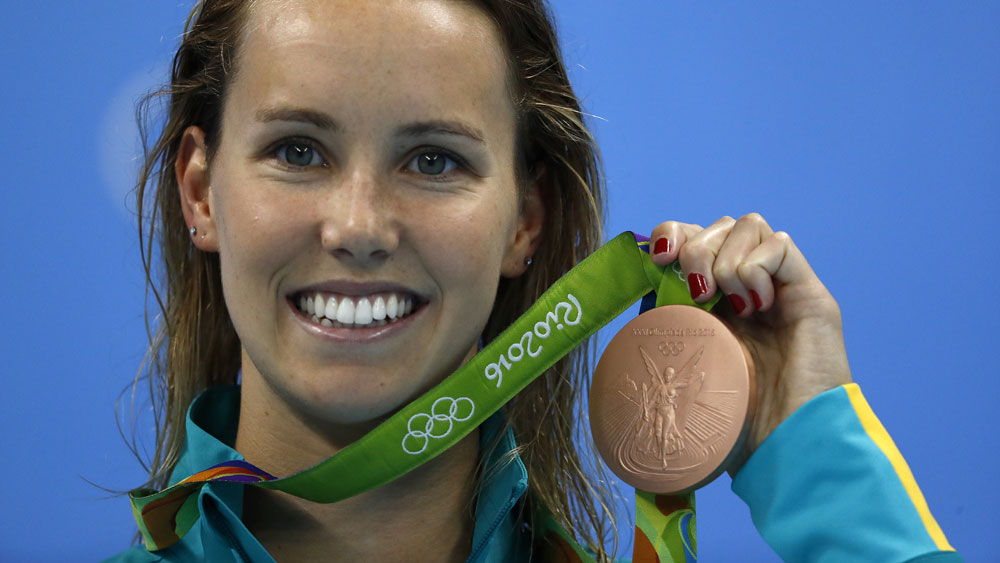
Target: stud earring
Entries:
(193, 230)
(528, 261)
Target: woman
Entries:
(351, 197)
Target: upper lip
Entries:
(357, 288)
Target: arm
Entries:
(829, 485)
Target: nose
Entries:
(360, 225)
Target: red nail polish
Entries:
(756, 299)
(662, 246)
(697, 284)
(737, 302)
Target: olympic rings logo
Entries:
(445, 412)
(671, 348)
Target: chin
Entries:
(339, 393)
(351, 401)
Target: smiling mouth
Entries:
(344, 311)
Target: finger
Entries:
(747, 234)
(667, 238)
(697, 256)
(776, 259)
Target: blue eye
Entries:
(299, 154)
(432, 164)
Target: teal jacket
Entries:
(794, 485)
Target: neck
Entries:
(425, 515)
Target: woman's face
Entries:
(366, 158)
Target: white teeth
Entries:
(392, 307)
(378, 308)
(345, 312)
(354, 312)
(363, 314)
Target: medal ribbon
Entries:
(592, 294)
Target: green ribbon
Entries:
(589, 296)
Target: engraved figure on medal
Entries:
(677, 425)
(666, 414)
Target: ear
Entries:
(191, 171)
(528, 234)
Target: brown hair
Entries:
(194, 345)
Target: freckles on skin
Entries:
(263, 227)
(373, 69)
(394, 50)
(482, 231)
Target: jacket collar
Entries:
(211, 433)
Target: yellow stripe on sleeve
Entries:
(881, 438)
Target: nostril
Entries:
(377, 255)
(357, 242)
(342, 253)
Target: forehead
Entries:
(405, 56)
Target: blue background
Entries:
(869, 131)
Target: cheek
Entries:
(469, 248)
(256, 232)
(473, 240)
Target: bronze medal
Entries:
(672, 399)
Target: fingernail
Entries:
(697, 284)
(662, 246)
(737, 302)
(756, 299)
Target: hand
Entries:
(775, 304)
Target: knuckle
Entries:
(724, 270)
(746, 271)
(691, 252)
(782, 237)
(691, 230)
(753, 218)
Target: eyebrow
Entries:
(324, 121)
(442, 127)
(317, 118)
